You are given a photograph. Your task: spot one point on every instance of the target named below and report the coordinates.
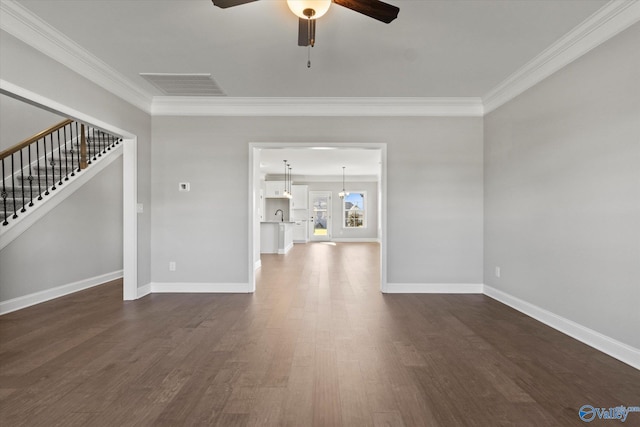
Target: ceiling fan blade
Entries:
(372, 8)
(304, 38)
(230, 3)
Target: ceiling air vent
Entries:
(184, 84)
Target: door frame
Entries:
(329, 194)
(253, 225)
(130, 288)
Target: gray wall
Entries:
(19, 121)
(79, 239)
(32, 70)
(434, 193)
(562, 186)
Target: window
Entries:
(353, 206)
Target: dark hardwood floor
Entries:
(316, 345)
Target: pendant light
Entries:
(285, 192)
(343, 193)
(287, 180)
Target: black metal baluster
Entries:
(52, 163)
(70, 150)
(79, 145)
(4, 195)
(100, 143)
(30, 178)
(96, 137)
(89, 146)
(59, 157)
(104, 142)
(13, 188)
(96, 143)
(24, 209)
(46, 167)
(66, 158)
(38, 168)
(93, 141)
(110, 144)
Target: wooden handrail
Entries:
(9, 151)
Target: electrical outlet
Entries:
(497, 272)
(172, 266)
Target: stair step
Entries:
(65, 160)
(24, 182)
(42, 169)
(76, 150)
(19, 185)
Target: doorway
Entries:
(256, 181)
(129, 178)
(320, 220)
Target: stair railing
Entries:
(40, 164)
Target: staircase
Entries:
(35, 168)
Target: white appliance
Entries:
(301, 231)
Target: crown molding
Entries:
(323, 107)
(611, 19)
(21, 23)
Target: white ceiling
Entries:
(436, 48)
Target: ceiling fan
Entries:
(310, 10)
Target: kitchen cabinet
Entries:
(274, 189)
(299, 199)
(301, 231)
(276, 237)
(299, 209)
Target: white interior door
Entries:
(320, 219)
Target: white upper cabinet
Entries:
(299, 198)
(274, 189)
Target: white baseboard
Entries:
(187, 287)
(610, 346)
(143, 291)
(433, 288)
(257, 264)
(285, 250)
(57, 292)
(355, 240)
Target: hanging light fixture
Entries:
(309, 9)
(343, 193)
(284, 192)
(290, 183)
(287, 180)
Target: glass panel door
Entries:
(320, 223)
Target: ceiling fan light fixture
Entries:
(299, 7)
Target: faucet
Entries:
(281, 215)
